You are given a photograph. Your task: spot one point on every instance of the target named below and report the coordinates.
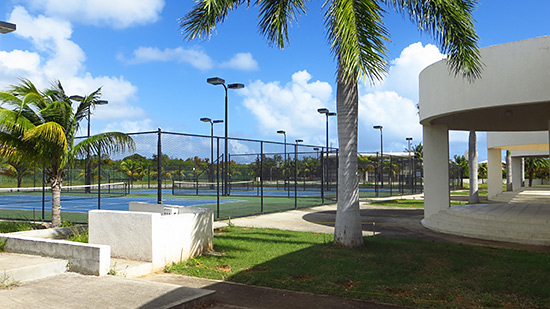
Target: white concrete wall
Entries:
(505, 98)
(152, 237)
(436, 169)
(494, 172)
(88, 259)
(128, 233)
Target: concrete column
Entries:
(436, 169)
(517, 168)
(494, 171)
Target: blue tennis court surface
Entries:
(30, 202)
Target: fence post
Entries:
(159, 168)
(322, 177)
(43, 193)
(218, 177)
(98, 178)
(296, 175)
(262, 176)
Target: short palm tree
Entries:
(357, 37)
(40, 126)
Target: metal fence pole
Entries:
(99, 178)
(262, 177)
(217, 177)
(295, 175)
(322, 177)
(159, 168)
(43, 193)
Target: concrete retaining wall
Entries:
(83, 258)
(149, 236)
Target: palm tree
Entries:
(357, 37)
(535, 166)
(17, 170)
(40, 126)
(473, 197)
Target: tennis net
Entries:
(29, 194)
(209, 188)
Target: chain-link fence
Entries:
(192, 170)
(389, 175)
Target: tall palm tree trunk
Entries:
(347, 231)
(56, 201)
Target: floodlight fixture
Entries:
(281, 132)
(206, 119)
(76, 98)
(409, 138)
(299, 140)
(217, 121)
(6, 27)
(216, 81)
(235, 86)
(323, 110)
(378, 127)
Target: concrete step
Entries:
(504, 225)
(130, 268)
(15, 267)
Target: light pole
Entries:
(409, 139)
(327, 114)
(87, 178)
(296, 172)
(221, 81)
(212, 122)
(6, 27)
(379, 127)
(285, 161)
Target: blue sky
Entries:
(153, 78)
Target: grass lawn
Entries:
(395, 271)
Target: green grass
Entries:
(12, 226)
(400, 272)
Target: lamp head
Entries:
(299, 140)
(235, 86)
(204, 119)
(6, 27)
(409, 138)
(76, 98)
(332, 114)
(323, 110)
(378, 127)
(316, 149)
(281, 132)
(101, 102)
(217, 121)
(215, 81)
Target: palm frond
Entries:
(48, 135)
(276, 15)
(204, 16)
(357, 36)
(450, 23)
(109, 142)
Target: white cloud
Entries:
(54, 56)
(398, 116)
(241, 61)
(292, 107)
(193, 56)
(131, 126)
(116, 14)
(404, 71)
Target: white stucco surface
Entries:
(153, 237)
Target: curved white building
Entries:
(513, 95)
